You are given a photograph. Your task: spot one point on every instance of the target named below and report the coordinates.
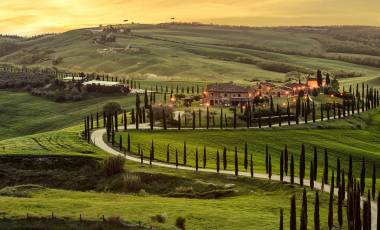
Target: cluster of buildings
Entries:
(229, 94)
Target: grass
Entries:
(257, 205)
(356, 136)
(37, 115)
(187, 53)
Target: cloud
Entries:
(30, 17)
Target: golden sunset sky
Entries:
(28, 17)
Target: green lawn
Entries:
(357, 136)
(24, 114)
(257, 208)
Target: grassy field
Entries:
(190, 53)
(256, 205)
(37, 115)
(356, 136)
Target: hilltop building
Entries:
(226, 94)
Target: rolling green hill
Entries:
(206, 53)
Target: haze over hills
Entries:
(196, 52)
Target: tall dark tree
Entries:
(221, 118)
(193, 120)
(316, 212)
(196, 159)
(326, 169)
(286, 159)
(245, 156)
(293, 213)
(168, 153)
(204, 156)
(164, 119)
(176, 158)
(184, 153)
(137, 111)
(129, 143)
(266, 158)
(378, 213)
(311, 175)
(207, 118)
(315, 163)
(292, 169)
(303, 225)
(236, 162)
(152, 150)
(217, 161)
(224, 158)
(373, 180)
(251, 164)
(362, 177)
(179, 121)
(121, 142)
(270, 167)
(366, 217)
(302, 165)
(319, 78)
(281, 227)
(331, 203)
(338, 172)
(282, 166)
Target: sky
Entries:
(30, 17)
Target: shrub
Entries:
(132, 182)
(180, 223)
(113, 165)
(112, 107)
(160, 218)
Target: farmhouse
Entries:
(312, 83)
(226, 94)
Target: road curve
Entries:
(97, 139)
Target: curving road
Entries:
(97, 140)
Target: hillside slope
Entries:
(205, 53)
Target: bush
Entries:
(112, 107)
(113, 165)
(132, 182)
(180, 223)
(160, 218)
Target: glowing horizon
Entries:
(25, 17)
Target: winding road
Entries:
(97, 138)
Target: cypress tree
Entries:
(200, 118)
(92, 122)
(314, 112)
(303, 225)
(366, 217)
(288, 112)
(245, 156)
(340, 206)
(266, 158)
(293, 213)
(151, 158)
(331, 203)
(184, 153)
(321, 112)
(113, 138)
(137, 111)
(196, 159)
(349, 170)
(236, 163)
(204, 156)
(164, 119)
(129, 143)
(121, 142)
(193, 120)
(362, 177)
(176, 158)
(281, 219)
(311, 175)
(302, 165)
(315, 163)
(326, 169)
(224, 158)
(217, 161)
(282, 166)
(235, 118)
(221, 118)
(179, 121)
(373, 180)
(338, 172)
(125, 120)
(291, 169)
(343, 184)
(97, 120)
(286, 160)
(378, 213)
(152, 149)
(316, 212)
(251, 165)
(270, 167)
(151, 118)
(207, 118)
(168, 153)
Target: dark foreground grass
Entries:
(256, 205)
